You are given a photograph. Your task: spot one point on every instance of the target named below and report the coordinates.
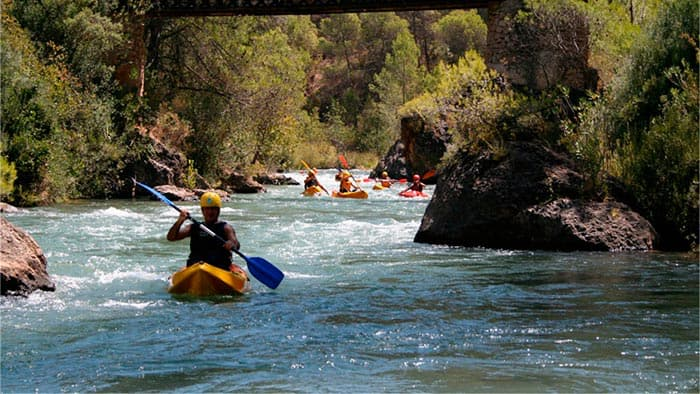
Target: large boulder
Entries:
(528, 197)
(22, 262)
(236, 182)
(419, 150)
(175, 193)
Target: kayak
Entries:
(379, 187)
(202, 279)
(355, 194)
(312, 191)
(412, 193)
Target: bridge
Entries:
(180, 8)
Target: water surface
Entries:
(362, 307)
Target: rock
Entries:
(419, 150)
(566, 224)
(7, 208)
(530, 198)
(22, 262)
(236, 182)
(162, 165)
(275, 179)
(174, 193)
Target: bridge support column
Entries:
(539, 57)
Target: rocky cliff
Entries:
(529, 198)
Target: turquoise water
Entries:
(362, 308)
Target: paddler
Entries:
(416, 185)
(312, 181)
(384, 180)
(346, 182)
(204, 247)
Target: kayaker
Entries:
(346, 183)
(417, 185)
(204, 247)
(312, 181)
(384, 180)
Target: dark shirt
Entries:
(204, 247)
(310, 182)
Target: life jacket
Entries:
(310, 182)
(417, 186)
(204, 247)
(345, 185)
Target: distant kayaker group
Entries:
(348, 186)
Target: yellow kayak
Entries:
(378, 186)
(312, 191)
(355, 194)
(202, 279)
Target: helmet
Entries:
(210, 200)
(416, 177)
(385, 174)
(346, 174)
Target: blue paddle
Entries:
(261, 269)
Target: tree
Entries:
(458, 32)
(401, 79)
(341, 33)
(402, 76)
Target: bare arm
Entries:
(177, 232)
(231, 239)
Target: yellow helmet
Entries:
(210, 200)
(385, 174)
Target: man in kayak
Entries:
(346, 183)
(312, 181)
(384, 180)
(417, 185)
(204, 247)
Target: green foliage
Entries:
(61, 138)
(458, 32)
(402, 76)
(472, 93)
(611, 36)
(8, 175)
(340, 35)
(645, 128)
(92, 39)
(190, 180)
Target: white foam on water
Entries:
(113, 276)
(130, 304)
(115, 212)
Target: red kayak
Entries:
(412, 193)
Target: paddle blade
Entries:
(429, 174)
(264, 271)
(343, 161)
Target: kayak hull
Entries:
(412, 194)
(379, 187)
(202, 280)
(312, 191)
(356, 194)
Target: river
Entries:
(362, 308)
